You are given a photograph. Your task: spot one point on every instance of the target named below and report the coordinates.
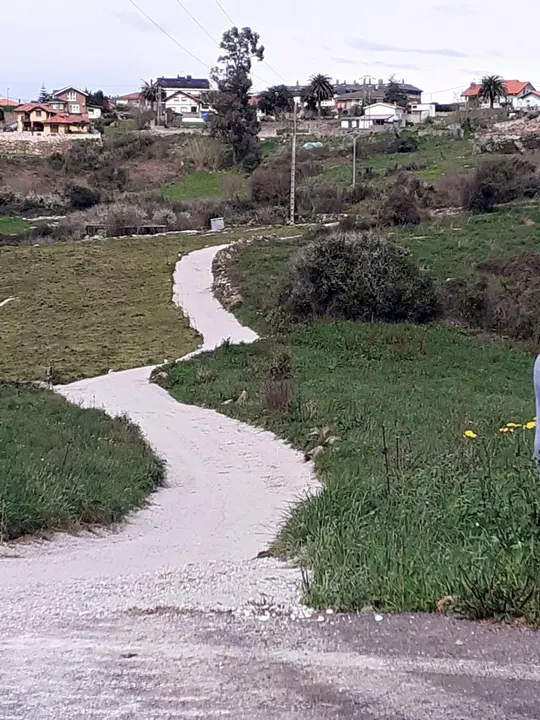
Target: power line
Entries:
(229, 18)
(212, 38)
(167, 34)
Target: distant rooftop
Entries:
(346, 88)
(186, 83)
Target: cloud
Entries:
(133, 19)
(457, 9)
(344, 61)
(360, 44)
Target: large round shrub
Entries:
(357, 277)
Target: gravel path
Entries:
(193, 545)
(170, 616)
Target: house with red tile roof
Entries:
(41, 118)
(7, 104)
(529, 101)
(130, 100)
(515, 90)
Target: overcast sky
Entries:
(437, 45)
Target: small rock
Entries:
(242, 399)
(228, 402)
(460, 642)
(378, 618)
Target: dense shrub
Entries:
(81, 197)
(503, 296)
(401, 207)
(320, 199)
(357, 277)
(270, 186)
(499, 181)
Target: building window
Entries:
(38, 113)
(72, 95)
(74, 109)
(193, 109)
(184, 109)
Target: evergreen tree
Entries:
(235, 120)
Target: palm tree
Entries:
(492, 88)
(151, 93)
(320, 88)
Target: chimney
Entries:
(189, 77)
(337, 81)
(381, 84)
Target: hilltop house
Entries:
(69, 100)
(376, 115)
(41, 118)
(529, 101)
(131, 100)
(186, 96)
(515, 91)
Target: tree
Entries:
(320, 88)
(98, 99)
(276, 101)
(235, 119)
(44, 95)
(394, 94)
(151, 92)
(492, 89)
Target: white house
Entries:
(94, 113)
(185, 96)
(530, 101)
(376, 115)
(420, 112)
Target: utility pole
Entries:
(355, 138)
(293, 171)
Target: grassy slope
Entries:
(436, 156)
(203, 185)
(446, 515)
(10, 225)
(448, 247)
(61, 466)
(85, 308)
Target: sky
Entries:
(437, 45)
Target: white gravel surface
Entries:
(193, 546)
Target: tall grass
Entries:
(62, 467)
(412, 511)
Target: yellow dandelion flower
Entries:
(513, 426)
(470, 434)
(531, 425)
(505, 430)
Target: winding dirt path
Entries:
(228, 485)
(163, 619)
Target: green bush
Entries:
(357, 276)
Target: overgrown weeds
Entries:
(412, 511)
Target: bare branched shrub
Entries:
(357, 277)
(277, 392)
(499, 181)
(268, 186)
(205, 153)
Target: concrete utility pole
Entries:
(355, 138)
(293, 171)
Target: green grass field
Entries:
(448, 247)
(412, 511)
(122, 127)
(11, 225)
(205, 185)
(85, 308)
(62, 467)
(435, 157)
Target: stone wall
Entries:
(15, 143)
